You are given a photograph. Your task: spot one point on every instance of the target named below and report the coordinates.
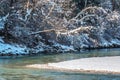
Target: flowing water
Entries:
(13, 68)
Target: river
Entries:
(13, 68)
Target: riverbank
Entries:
(26, 27)
(91, 65)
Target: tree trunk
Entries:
(113, 4)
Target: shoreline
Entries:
(109, 65)
(26, 52)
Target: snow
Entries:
(94, 64)
(65, 47)
(1, 24)
(112, 42)
(10, 48)
(115, 41)
(104, 42)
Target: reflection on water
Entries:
(13, 68)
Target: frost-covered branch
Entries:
(28, 12)
(92, 15)
(50, 30)
(77, 30)
(51, 9)
(89, 8)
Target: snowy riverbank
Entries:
(95, 64)
(11, 49)
(51, 26)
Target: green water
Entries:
(14, 68)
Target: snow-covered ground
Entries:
(11, 48)
(95, 64)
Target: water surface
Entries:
(13, 68)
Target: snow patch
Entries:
(10, 48)
(115, 41)
(104, 42)
(65, 47)
(112, 42)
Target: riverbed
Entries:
(13, 68)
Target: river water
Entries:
(13, 68)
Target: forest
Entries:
(58, 26)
